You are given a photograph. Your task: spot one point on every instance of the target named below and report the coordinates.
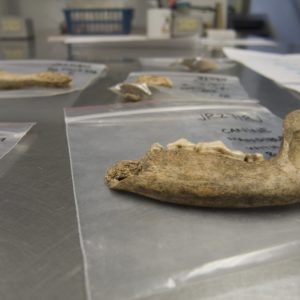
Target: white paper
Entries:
(284, 69)
(11, 134)
(293, 59)
(83, 74)
(293, 87)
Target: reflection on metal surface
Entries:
(243, 260)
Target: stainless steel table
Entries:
(40, 256)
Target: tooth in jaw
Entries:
(181, 143)
(187, 174)
(214, 147)
(156, 147)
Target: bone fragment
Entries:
(155, 80)
(134, 91)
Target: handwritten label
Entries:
(259, 139)
(246, 131)
(200, 87)
(256, 139)
(233, 116)
(72, 68)
(221, 87)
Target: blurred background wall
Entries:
(47, 14)
(2, 7)
(284, 15)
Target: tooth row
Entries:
(209, 147)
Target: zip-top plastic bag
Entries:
(82, 75)
(11, 134)
(190, 86)
(138, 248)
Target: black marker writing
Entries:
(263, 147)
(240, 117)
(246, 130)
(256, 139)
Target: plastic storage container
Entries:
(98, 21)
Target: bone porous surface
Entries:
(155, 80)
(45, 79)
(211, 175)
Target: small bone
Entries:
(200, 64)
(211, 175)
(134, 91)
(155, 80)
(46, 79)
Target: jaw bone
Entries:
(211, 175)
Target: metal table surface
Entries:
(40, 256)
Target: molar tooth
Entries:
(249, 157)
(156, 147)
(220, 147)
(215, 146)
(181, 143)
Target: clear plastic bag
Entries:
(83, 74)
(11, 134)
(138, 248)
(200, 87)
(132, 91)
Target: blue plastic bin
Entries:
(98, 21)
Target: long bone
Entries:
(45, 79)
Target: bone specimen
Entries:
(134, 91)
(137, 91)
(155, 80)
(46, 79)
(200, 64)
(211, 175)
